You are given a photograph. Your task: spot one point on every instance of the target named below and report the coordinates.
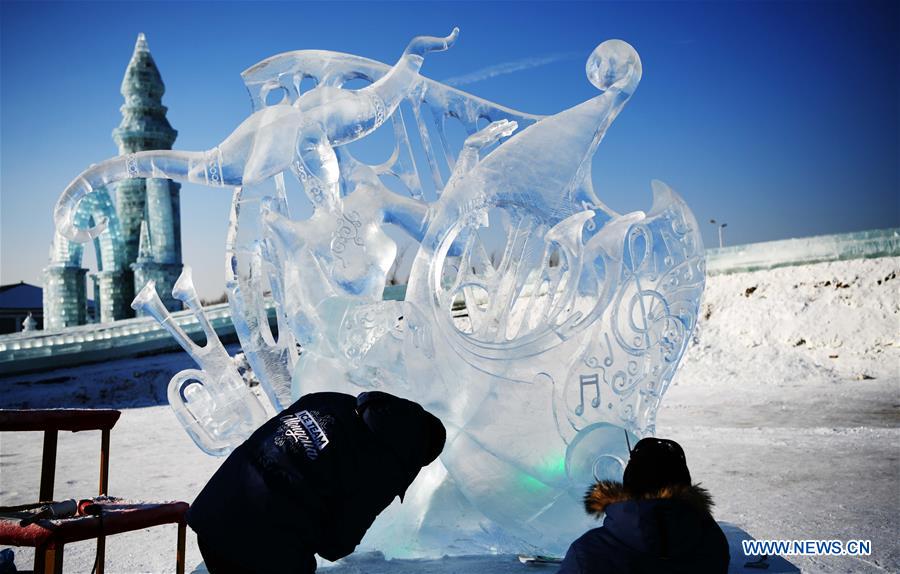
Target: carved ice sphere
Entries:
(538, 324)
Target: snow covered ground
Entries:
(788, 406)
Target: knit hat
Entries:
(655, 464)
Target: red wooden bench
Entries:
(107, 516)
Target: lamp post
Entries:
(722, 227)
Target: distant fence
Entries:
(803, 251)
(44, 350)
(34, 351)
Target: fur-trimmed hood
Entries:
(668, 531)
(606, 492)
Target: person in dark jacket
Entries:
(311, 481)
(657, 521)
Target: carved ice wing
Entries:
(433, 106)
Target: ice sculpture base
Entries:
(508, 562)
(436, 519)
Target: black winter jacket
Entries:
(669, 532)
(313, 478)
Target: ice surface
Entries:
(538, 324)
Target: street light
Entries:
(722, 227)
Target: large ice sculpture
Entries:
(541, 326)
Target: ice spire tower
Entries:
(149, 209)
(142, 241)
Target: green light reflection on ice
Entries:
(553, 470)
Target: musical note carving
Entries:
(586, 381)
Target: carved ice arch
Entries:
(107, 246)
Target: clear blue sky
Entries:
(780, 118)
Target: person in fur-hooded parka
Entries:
(656, 520)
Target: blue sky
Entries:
(779, 118)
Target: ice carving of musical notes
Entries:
(586, 381)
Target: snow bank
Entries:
(799, 336)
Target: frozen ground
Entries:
(788, 407)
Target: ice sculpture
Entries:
(537, 323)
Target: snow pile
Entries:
(840, 317)
(773, 336)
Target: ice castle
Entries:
(143, 237)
